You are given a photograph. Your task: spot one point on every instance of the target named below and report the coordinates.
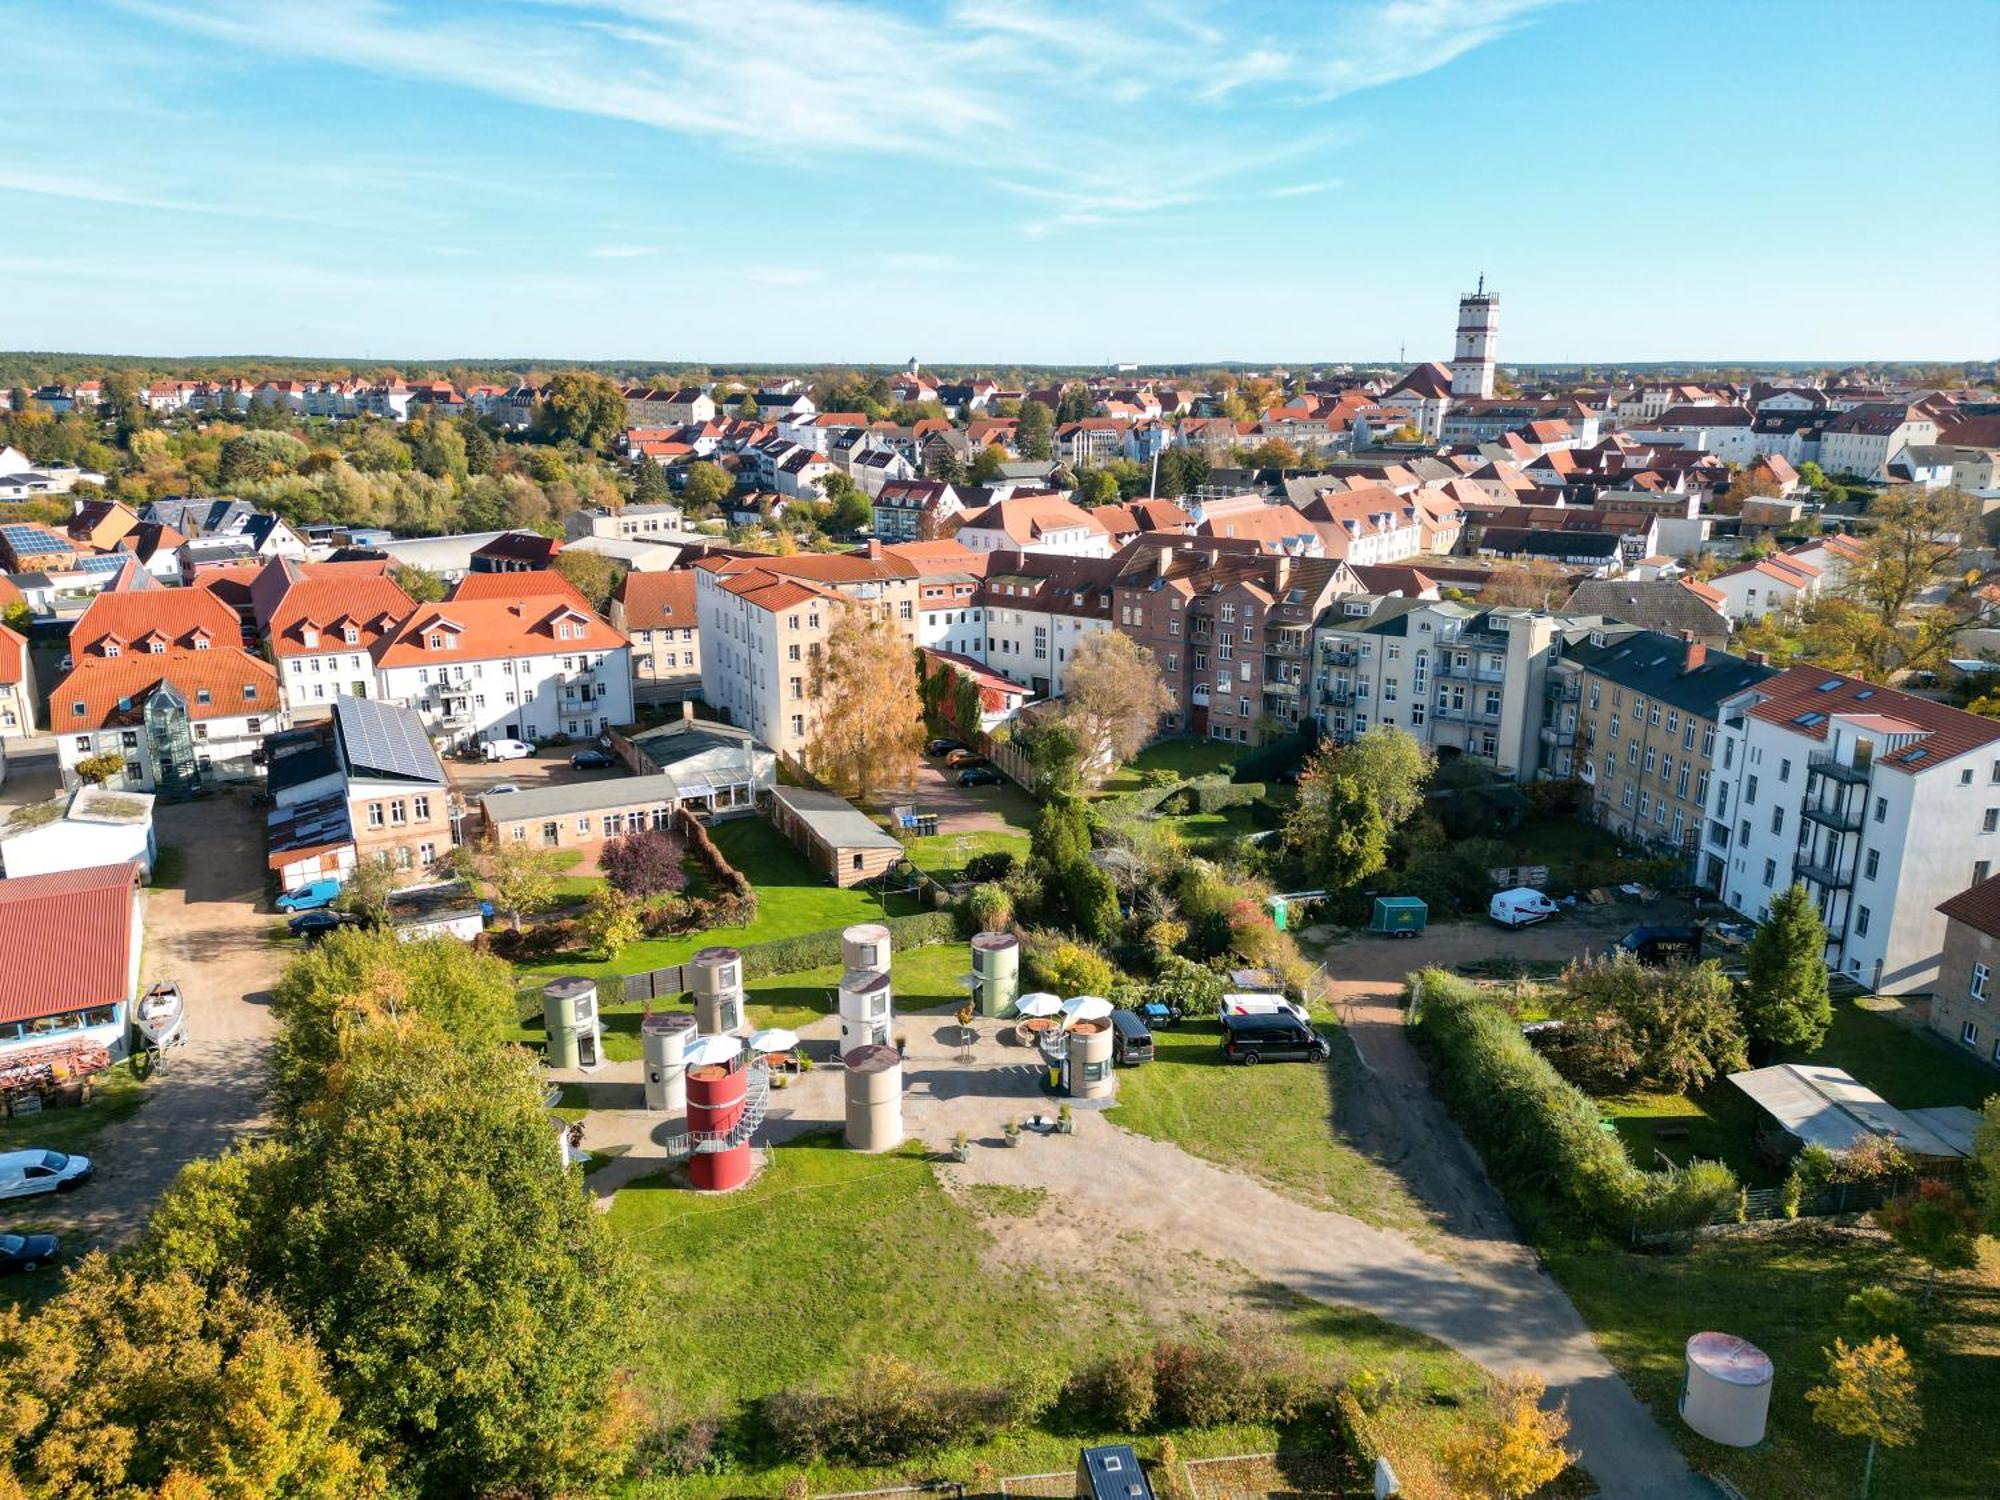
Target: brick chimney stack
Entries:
(1697, 653)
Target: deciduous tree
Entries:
(867, 732)
(1673, 1028)
(582, 408)
(1112, 699)
(1871, 1392)
(130, 1384)
(421, 584)
(1535, 584)
(523, 878)
(611, 922)
(369, 886)
(645, 863)
(1335, 827)
(596, 576)
(707, 486)
(1034, 436)
(1515, 1452)
(988, 464)
(1936, 1225)
(1785, 1001)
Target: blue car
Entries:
(310, 896)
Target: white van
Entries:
(1261, 1003)
(1521, 907)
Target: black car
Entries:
(943, 746)
(316, 924)
(980, 776)
(592, 760)
(28, 1252)
(1131, 1041)
(1274, 1035)
(1657, 946)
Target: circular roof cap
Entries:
(568, 985)
(716, 955)
(1727, 1357)
(666, 1022)
(711, 1051)
(871, 1059)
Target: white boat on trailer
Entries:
(161, 1018)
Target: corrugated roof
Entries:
(580, 797)
(45, 964)
(834, 819)
(1829, 1107)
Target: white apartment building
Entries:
(1862, 441)
(1462, 680)
(1033, 523)
(525, 669)
(1882, 803)
(1038, 610)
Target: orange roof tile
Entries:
(658, 601)
(373, 605)
(483, 629)
(538, 583)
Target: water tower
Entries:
(718, 1089)
(865, 1012)
(569, 1015)
(996, 972)
(716, 977)
(664, 1039)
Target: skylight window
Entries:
(1831, 685)
(1807, 721)
(1865, 693)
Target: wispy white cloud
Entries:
(88, 190)
(784, 275)
(621, 252)
(1304, 189)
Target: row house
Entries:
(1964, 1000)
(525, 668)
(1473, 420)
(949, 615)
(1752, 590)
(321, 623)
(1883, 804)
(1462, 680)
(1090, 442)
(1043, 522)
(1037, 609)
(160, 678)
(364, 784)
(910, 510)
(1862, 441)
(1633, 716)
(656, 612)
(1231, 628)
(1729, 432)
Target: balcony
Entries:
(1826, 763)
(1828, 877)
(1291, 644)
(1470, 673)
(1560, 691)
(1555, 734)
(1338, 695)
(1338, 657)
(1718, 834)
(1843, 819)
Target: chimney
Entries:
(874, 548)
(687, 710)
(1697, 653)
(1283, 572)
(1162, 556)
(1757, 658)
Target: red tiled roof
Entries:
(536, 583)
(658, 601)
(371, 603)
(176, 614)
(482, 629)
(44, 967)
(13, 655)
(224, 681)
(1947, 732)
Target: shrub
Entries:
(1217, 793)
(1064, 966)
(997, 865)
(818, 950)
(1373, 1388)
(1159, 776)
(1116, 1392)
(1540, 1135)
(645, 863)
(989, 907)
(889, 1411)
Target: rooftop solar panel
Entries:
(384, 739)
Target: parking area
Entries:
(474, 778)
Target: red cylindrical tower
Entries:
(715, 1100)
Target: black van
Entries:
(1655, 946)
(1277, 1035)
(1131, 1042)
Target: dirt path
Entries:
(208, 935)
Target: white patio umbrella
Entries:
(1039, 1004)
(773, 1039)
(708, 1051)
(1084, 1008)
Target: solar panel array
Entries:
(23, 539)
(383, 738)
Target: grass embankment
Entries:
(831, 1256)
(1188, 758)
(1277, 1122)
(920, 979)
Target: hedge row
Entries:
(818, 950)
(1540, 1135)
(1214, 793)
(1356, 1430)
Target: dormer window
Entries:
(250, 692)
(350, 635)
(310, 636)
(203, 695)
(156, 646)
(201, 640)
(437, 640)
(110, 648)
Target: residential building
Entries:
(1752, 590)
(950, 616)
(1883, 803)
(1463, 680)
(1037, 609)
(29, 547)
(1033, 523)
(99, 827)
(581, 814)
(1863, 440)
(909, 510)
(364, 784)
(524, 669)
(262, 535)
(322, 625)
(719, 768)
(661, 523)
(58, 993)
(516, 552)
(18, 692)
(1661, 604)
(1964, 1006)
(1634, 715)
(656, 611)
(161, 680)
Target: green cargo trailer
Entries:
(1399, 916)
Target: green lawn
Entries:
(943, 856)
(118, 1095)
(830, 1256)
(1187, 756)
(1786, 1295)
(920, 979)
(1277, 1122)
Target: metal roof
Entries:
(834, 819)
(384, 740)
(580, 797)
(66, 940)
(1828, 1107)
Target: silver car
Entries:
(25, 1173)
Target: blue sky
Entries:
(1008, 181)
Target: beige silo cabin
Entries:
(1088, 1074)
(715, 975)
(874, 1087)
(865, 945)
(663, 1039)
(865, 1010)
(1726, 1393)
(995, 979)
(569, 1016)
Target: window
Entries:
(427, 854)
(249, 692)
(1981, 868)
(1777, 820)
(1969, 1033)
(1873, 864)
(1750, 791)
(1991, 822)
(1770, 872)
(1784, 770)
(1965, 777)
(1881, 809)
(798, 724)
(520, 832)
(1980, 975)
(374, 815)
(1743, 834)
(1861, 921)
(1652, 757)
(1627, 799)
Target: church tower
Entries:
(1478, 343)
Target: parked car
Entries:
(1521, 907)
(1655, 946)
(979, 776)
(504, 789)
(943, 746)
(317, 923)
(964, 757)
(28, 1252)
(26, 1173)
(1277, 1036)
(592, 760)
(506, 750)
(311, 895)
(1131, 1039)
(1260, 1003)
